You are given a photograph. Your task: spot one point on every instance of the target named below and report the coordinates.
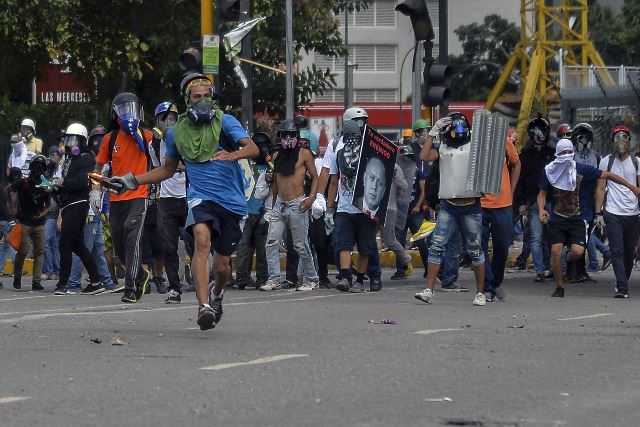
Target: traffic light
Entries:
(437, 79)
(191, 60)
(229, 10)
(420, 20)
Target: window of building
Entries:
(370, 58)
(380, 13)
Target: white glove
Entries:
(439, 127)
(329, 223)
(319, 206)
(598, 221)
(95, 201)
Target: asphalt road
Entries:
(313, 359)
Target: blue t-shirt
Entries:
(573, 205)
(221, 181)
(254, 206)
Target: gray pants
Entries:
(390, 241)
(287, 214)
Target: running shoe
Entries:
(93, 289)
(216, 303)
(558, 293)
(480, 300)
(308, 286)
(500, 293)
(36, 287)
(343, 285)
(161, 286)
(174, 297)
(357, 288)
(375, 285)
(398, 275)
(206, 318)
(606, 262)
(129, 297)
(143, 287)
(426, 228)
(453, 287)
(620, 294)
(271, 286)
(60, 290)
(425, 296)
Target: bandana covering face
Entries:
(561, 172)
(130, 125)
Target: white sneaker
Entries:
(308, 286)
(271, 286)
(480, 299)
(425, 296)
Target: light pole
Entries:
(400, 102)
(289, 60)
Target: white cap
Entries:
(28, 122)
(77, 129)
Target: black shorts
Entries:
(568, 233)
(225, 225)
(355, 229)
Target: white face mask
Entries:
(622, 147)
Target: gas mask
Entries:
(26, 132)
(72, 144)
(361, 122)
(288, 140)
(538, 136)
(581, 142)
(202, 111)
(622, 142)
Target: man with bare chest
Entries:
(290, 207)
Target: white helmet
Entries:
(353, 113)
(77, 129)
(29, 122)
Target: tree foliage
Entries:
(135, 44)
(486, 48)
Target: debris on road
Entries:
(439, 399)
(96, 340)
(118, 341)
(383, 322)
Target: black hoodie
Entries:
(533, 163)
(75, 174)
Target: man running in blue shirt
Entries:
(210, 143)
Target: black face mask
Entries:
(201, 112)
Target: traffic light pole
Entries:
(289, 59)
(443, 42)
(416, 94)
(206, 22)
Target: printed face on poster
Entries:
(374, 176)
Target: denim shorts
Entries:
(355, 229)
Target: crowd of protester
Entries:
(117, 201)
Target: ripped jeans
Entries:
(447, 224)
(287, 214)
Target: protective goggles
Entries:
(621, 137)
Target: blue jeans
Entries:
(287, 214)
(447, 226)
(94, 241)
(51, 263)
(496, 223)
(451, 260)
(537, 230)
(6, 251)
(593, 246)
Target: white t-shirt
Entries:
(174, 187)
(621, 200)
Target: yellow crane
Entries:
(545, 31)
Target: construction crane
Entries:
(546, 31)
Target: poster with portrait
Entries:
(374, 176)
(325, 128)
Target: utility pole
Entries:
(443, 42)
(348, 78)
(289, 49)
(245, 52)
(416, 87)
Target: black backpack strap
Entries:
(112, 142)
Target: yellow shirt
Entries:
(35, 145)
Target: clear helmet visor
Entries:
(72, 140)
(130, 110)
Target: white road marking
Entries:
(93, 310)
(435, 331)
(11, 399)
(590, 316)
(19, 298)
(253, 362)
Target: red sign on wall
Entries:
(57, 85)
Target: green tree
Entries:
(631, 32)
(134, 45)
(606, 31)
(486, 48)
